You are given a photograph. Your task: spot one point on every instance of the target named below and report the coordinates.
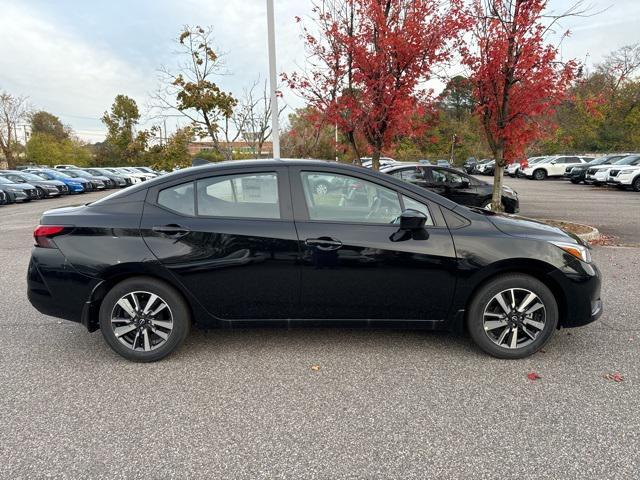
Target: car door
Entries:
(228, 236)
(351, 267)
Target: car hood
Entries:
(517, 226)
(20, 186)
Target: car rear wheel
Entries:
(512, 316)
(539, 174)
(144, 319)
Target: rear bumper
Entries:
(54, 287)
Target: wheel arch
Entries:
(534, 268)
(90, 312)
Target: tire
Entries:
(497, 339)
(165, 330)
(575, 181)
(40, 193)
(636, 184)
(539, 174)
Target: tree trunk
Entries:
(375, 159)
(498, 175)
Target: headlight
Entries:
(579, 251)
(509, 192)
(625, 173)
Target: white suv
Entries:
(625, 177)
(599, 175)
(553, 166)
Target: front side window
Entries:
(446, 176)
(408, 174)
(340, 198)
(242, 196)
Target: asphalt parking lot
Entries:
(383, 404)
(614, 212)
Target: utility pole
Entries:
(275, 127)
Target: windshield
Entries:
(80, 173)
(630, 160)
(30, 176)
(5, 180)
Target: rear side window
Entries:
(241, 196)
(180, 199)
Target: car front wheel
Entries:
(636, 184)
(539, 175)
(144, 319)
(512, 316)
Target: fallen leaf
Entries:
(616, 377)
(315, 368)
(533, 376)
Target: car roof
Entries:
(271, 163)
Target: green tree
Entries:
(46, 149)
(191, 90)
(123, 144)
(47, 123)
(176, 152)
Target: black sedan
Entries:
(239, 242)
(454, 185)
(44, 188)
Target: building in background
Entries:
(243, 148)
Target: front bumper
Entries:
(581, 284)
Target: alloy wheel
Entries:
(514, 318)
(142, 321)
(636, 184)
(39, 193)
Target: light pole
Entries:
(275, 127)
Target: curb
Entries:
(592, 235)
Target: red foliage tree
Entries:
(518, 80)
(369, 62)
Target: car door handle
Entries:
(173, 230)
(325, 244)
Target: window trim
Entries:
(300, 208)
(284, 192)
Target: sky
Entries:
(73, 57)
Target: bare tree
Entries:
(253, 116)
(190, 90)
(621, 65)
(13, 110)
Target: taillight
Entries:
(44, 233)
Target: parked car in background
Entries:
(384, 161)
(469, 164)
(94, 182)
(443, 163)
(454, 185)
(117, 180)
(145, 175)
(64, 166)
(514, 168)
(625, 177)
(147, 170)
(553, 166)
(476, 167)
(45, 188)
(75, 185)
(22, 192)
(577, 173)
(277, 252)
(485, 167)
(598, 175)
(135, 176)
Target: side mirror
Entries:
(553, 162)
(412, 224)
(412, 220)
